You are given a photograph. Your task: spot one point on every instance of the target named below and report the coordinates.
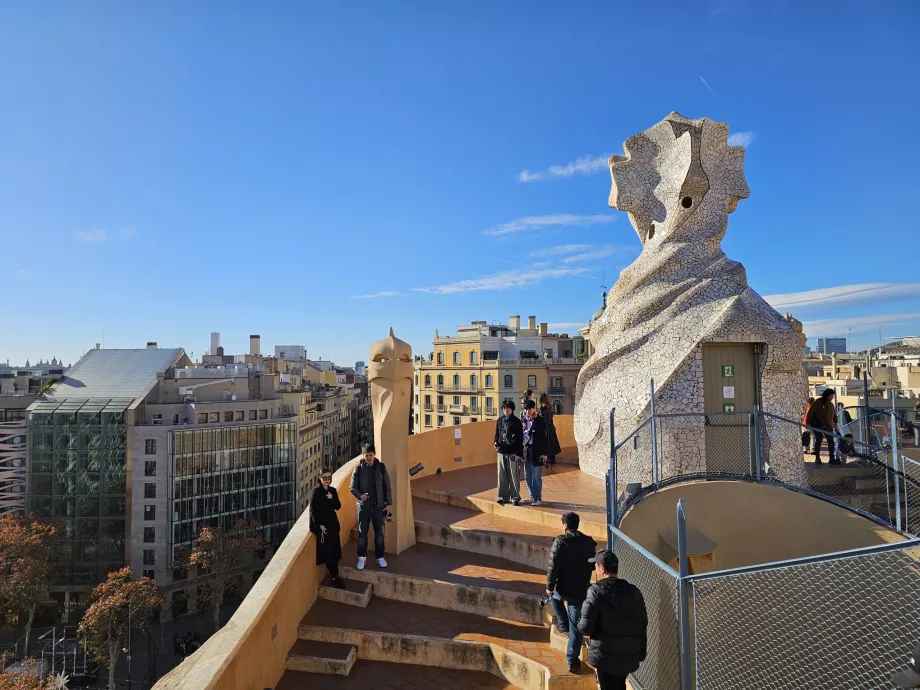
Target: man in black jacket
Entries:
(509, 442)
(567, 581)
(535, 444)
(370, 484)
(614, 617)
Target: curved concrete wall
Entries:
(751, 523)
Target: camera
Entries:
(544, 600)
(388, 516)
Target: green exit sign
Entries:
(728, 370)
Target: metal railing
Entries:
(845, 619)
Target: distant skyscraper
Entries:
(361, 368)
(828, 346)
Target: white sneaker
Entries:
(538, 503)
(361, 561)
(382, 562)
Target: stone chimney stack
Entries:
(544, 329)
(255, 345)
(151, 345)
(514, 323)
(532, 323)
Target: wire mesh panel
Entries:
(844, 623)
(661, 668)
(633, 467)
(911, 489)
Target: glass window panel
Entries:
(87, 506)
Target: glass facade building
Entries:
(221, 475)
(76, 473)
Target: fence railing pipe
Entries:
(894, 463)
(612, 483)
(757, 443)
(683, 587)
(654, 434)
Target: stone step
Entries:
(355, 594)
(379, 674)
(455, 580)
(560, 642)
(321, 657)
(411, 633)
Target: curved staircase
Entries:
(460, 609)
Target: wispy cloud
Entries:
(593, 255)
(740, 139)
(845, 294)
(560, 249)
(506, 280)
(550, 221)
(566, 325)
(23, 271)
(707, 85)
(586, 165)
(127, 232)
(385, 293)
(90, 236)
(857, 324)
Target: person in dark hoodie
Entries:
(370, 484)
(509, 442)
(614, 618)
(546, 413)
(324, 523)
(535, 443)
(567, 581)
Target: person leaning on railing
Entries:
(823, 416)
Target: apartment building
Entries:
(469, 374)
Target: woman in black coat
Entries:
(324, 523)
(552, 440)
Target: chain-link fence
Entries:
(658, 584)
(844, 622)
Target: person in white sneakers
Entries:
(370, 484)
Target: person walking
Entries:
(324, 523)
(822, 415)
(552, 439)
(370, 484)
(614, 618)
(509, 442)
(567, 581)
(535, 442)
(806, 433)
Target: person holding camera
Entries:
(509, 442)
(324, 523)
(567, 580)
(370, 484)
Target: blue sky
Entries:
(317, 172)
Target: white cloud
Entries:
(566, 325)
(706, 84)
(856, 324)
(127, 232)
(740, 139)
(23, 271)
(542, 222)
(586, 165)
(863, 292)
(90, 236)
(506, 280)
(561, 249)
(594, 254)
(386, 293)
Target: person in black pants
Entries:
(615, 619)
(370, 484)
(567, 581)
(324, 523)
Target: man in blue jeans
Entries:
(567, 582)
(370, 484)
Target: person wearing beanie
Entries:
(370, 484)
(535, 444)
(509, 442)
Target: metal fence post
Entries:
(684, 597)
(868, 428)
(757, 420)
(611, 483)
(654, 435)
(894, 464)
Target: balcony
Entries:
(457, 409)
(441, 408)
(557, 390)
(428, 407)
(491, 411)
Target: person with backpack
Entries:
(567, 580)
(614, 618)
(535, 443)
(509, 442)
(822, 415)
(552, 438)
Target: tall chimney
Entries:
(98, 346)
(834, 366)
(151, 345)
(544, 329)
(215, 342)
(514, 323)
(532, 323)
(255, 345)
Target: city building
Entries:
(134, 451)
(469, 374)
(828, 346)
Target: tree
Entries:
(118, 604)
(223, 555)
(28, 677)
(25, 567)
